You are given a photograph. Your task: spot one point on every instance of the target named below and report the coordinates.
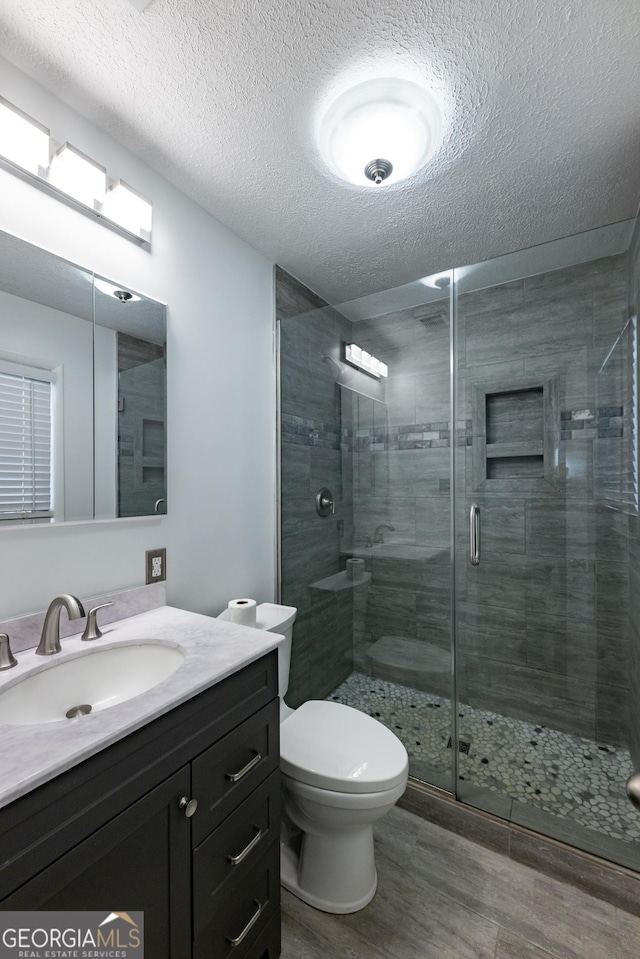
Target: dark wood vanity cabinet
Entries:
(112, 833)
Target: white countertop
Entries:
(214, 649)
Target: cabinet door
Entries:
(138, 861)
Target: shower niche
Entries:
(515, 435)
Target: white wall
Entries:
(219, 532)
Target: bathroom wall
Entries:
(219, 531)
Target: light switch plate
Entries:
(156, 565)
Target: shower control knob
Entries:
(188, 806)
(325, 502)
(633, 789)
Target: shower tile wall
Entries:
(543, 621)
(311, 458)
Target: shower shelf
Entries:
(495, 450)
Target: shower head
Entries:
(340, 366)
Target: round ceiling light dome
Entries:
(380, 131)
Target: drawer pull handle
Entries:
(236, 860)
(188, 806)
(249, 925)
(236, 777)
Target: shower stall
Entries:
(461, 537)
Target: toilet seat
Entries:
(335, 747)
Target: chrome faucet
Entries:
(50, 639)
(378, 536)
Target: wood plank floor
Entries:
(443, 897)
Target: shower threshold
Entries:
(566, 776)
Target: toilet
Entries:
(341, 772)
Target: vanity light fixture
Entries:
(363, 360)
(23, 140)
(380, 131)
(130, 209)
(26, 148)
(78, 176)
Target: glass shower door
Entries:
(544, 387)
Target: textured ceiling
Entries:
(541, 102)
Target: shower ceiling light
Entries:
(380, 131)
(364, 361)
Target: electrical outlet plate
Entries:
(156, 565)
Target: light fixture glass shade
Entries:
(128, 208)
(388, 119)
(22, 140)
(78, 175)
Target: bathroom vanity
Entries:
(119, 830)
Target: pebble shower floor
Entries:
(565, 775)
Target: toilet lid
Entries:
(336, 747)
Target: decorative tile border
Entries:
(303, 431)
(605, 422)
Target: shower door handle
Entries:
(474, 534)
(633, 789)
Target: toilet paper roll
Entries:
(241, 611)
(355, 568)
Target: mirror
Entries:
(82, 393)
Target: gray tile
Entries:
(618, 887)
(628, 933)
(410, 472)
(295, 470)
(533, 330)
(565, 703)
(455, 817)
(433, 521)
(613, 715)
(492, 632)
(503, 296)
(511, 946)
(534, 907)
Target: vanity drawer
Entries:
(225, 774)
(238, 922)
(243, 836)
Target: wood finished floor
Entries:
(443, 897)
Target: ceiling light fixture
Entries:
(71, 176)
(380, 131)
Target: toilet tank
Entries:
(279, 619)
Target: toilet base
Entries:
(290, 865)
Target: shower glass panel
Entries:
(372, 581)
(546, 366)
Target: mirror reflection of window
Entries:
(26, 487)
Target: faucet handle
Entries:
(92, 630)
(7, 659)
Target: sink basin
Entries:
(97, 679)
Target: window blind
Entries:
(25, 442)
